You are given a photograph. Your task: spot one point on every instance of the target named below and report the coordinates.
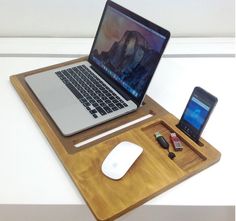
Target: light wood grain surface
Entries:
(152, 174)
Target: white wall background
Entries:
(80, 18)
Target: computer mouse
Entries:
(120, 159)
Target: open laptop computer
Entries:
(112, 82)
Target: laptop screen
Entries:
(127, 48)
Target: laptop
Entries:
(113, 80)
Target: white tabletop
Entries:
(31, 173)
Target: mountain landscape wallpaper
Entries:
(128, 50)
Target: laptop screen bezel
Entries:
(100, 71)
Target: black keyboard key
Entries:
(92, 101)
(86, 94)
(86, 104)
(64, 72)
(95, 104)
(80, 67)
(103, 105)
(111, 98)
(101, 111)
(66, 81)
(107, 101)
(82, 100)
(111, 105)
(86, 88)
(108, 109)
(94, 111)
(95, 115)
(70, 71)
(119, 105)
(117, 97)
(109, 90)
(89, 98)
(75, 69)
(114, 108)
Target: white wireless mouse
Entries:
(120, 159)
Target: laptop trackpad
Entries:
(51, 92)
(57, 98)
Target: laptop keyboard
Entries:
(96, 97)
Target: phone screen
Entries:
(196, 113)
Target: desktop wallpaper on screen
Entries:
(127, 51)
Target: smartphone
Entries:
(197, 113)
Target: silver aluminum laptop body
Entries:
(64, 108)
(126, 66)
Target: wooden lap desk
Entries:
(151, 174)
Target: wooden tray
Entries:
(152, 173)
